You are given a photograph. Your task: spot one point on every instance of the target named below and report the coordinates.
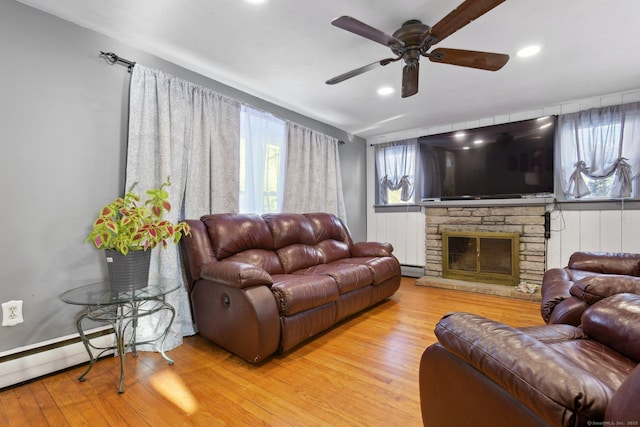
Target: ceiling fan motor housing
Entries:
(412, 35)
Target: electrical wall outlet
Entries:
(12, 313)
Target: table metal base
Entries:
(123, 316)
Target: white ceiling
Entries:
(284, 51)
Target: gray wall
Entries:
(63, 138)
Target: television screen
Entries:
(510, 160)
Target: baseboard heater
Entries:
(27, 363)
(412, 270)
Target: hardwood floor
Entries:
(363, 372)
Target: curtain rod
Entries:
(112, 58)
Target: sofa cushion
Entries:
(328, 227)
(288, 229)
(594, 288)
(297, 293)
(601, 361)
(332, 250)
(381, 268)
(348, 277)
(298, 256)
(234, 233)
(615, 322)
(624, 405)
(606, 262)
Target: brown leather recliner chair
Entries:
(588, 277)
(483, 373)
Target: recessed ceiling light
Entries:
(459, 134)
(385, 91)
(529, 51)
(478, 141)
(255, 1)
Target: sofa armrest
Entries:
(536, 375)
(569, 311)
(235, 274)
(363, 249)
(556, 285)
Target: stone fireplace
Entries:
(527, 223)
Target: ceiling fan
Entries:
(414, 39)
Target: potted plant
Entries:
(127, 229)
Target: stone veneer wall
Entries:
(528, 221)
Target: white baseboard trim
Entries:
(51, 359)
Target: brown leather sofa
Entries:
(484, 373)
(264, 284)
(588, 277)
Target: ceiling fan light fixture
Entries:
(528, 51)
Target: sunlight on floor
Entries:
(172, 388)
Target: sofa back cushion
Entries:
(305, 240)
(329, 227)
(289, 229)
(606, 262)
(615, 322)
(231, 234)
(298, 256)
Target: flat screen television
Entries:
(510, 160)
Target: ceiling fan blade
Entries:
(469, 58)
(464, 14)
(358, 71)
(410, 79)
(360, 28)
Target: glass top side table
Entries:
(121, 310)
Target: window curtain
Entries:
(191, 134)
(313, 182)
(598, 143)
(395, 169)
(265, 153)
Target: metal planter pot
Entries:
(128, 272)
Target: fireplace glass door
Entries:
(481, 257)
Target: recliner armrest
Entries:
(535, 374)
(363, 249)
(235, 274)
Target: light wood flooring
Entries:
(363, 372)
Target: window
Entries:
(598, 152)
(262, 161)
(396, 172)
